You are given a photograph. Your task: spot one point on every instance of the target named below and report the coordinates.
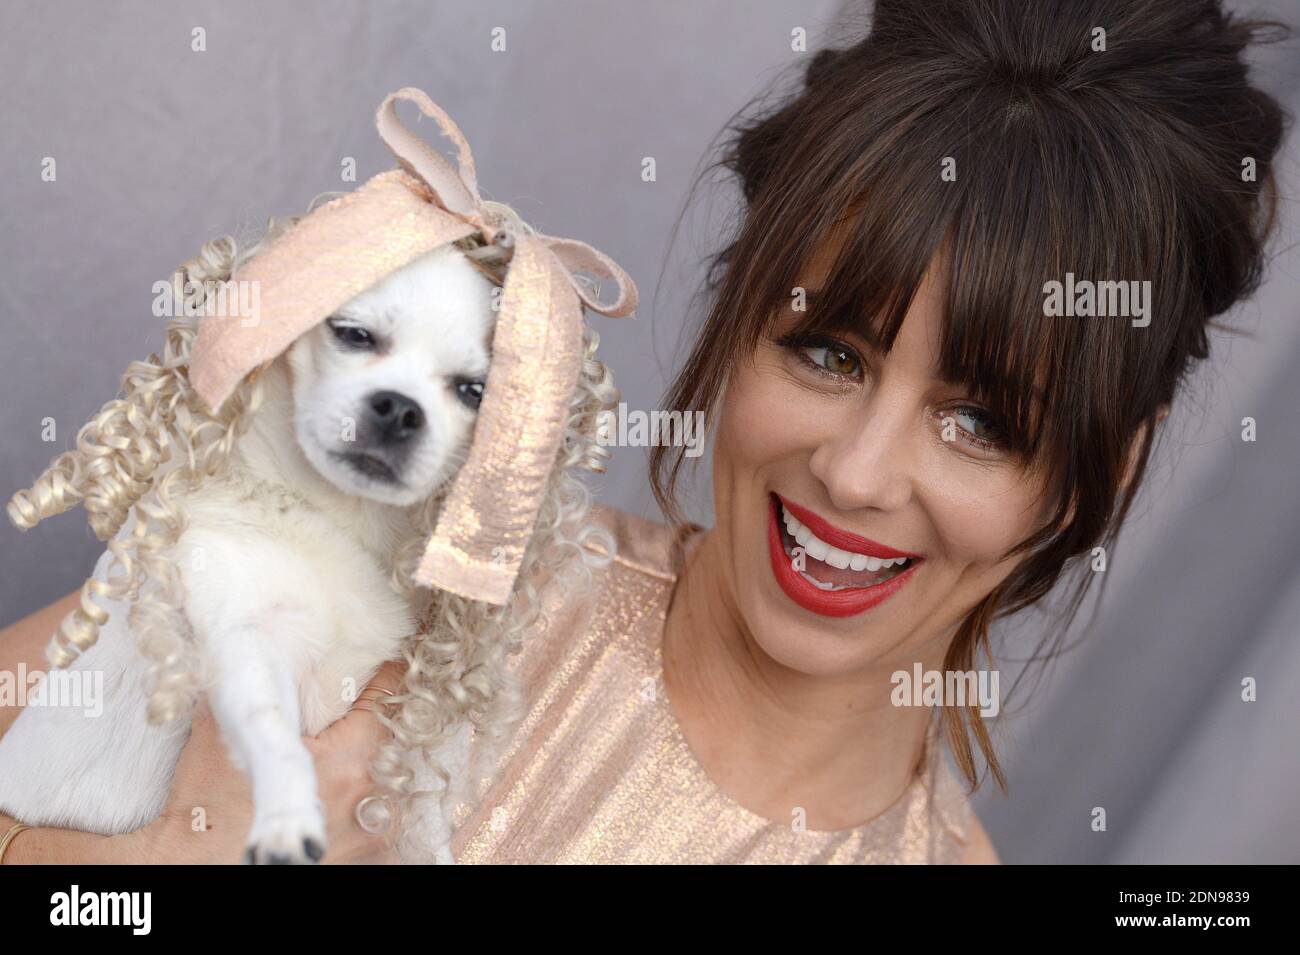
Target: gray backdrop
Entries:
(159, 147)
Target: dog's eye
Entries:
(470, 392)
(354, 336)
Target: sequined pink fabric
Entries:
(600, 772)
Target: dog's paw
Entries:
(286, 838)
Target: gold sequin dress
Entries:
(599, 771)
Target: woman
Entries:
(911, 440)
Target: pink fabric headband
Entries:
(346, 246)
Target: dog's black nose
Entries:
(395, 416)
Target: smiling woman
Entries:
(909, 441)
(976, 254)
(880, 357)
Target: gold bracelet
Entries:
(12, 834)
(371, 701)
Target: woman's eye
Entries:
(979, 425)
(470, 392)
(829, 357)
(354, 336)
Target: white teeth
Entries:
(835, 556)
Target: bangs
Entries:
(1022, 211)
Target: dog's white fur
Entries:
(286, 560)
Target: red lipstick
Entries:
(830, 603)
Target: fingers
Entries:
(380, 689)
(374, 698)
(386, 683)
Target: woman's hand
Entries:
(210, 810)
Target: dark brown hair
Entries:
(1122, 164)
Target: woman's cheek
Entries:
(763, 418)
(979, 513)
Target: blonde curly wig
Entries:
(456, 679)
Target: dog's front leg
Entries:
(260, 614)
(255, 700)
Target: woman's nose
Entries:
(865, 458)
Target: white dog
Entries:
(286, 563)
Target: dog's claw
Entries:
(287, 838)
(261, 855)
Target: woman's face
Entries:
(877, 459)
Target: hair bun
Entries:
(824, 64)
